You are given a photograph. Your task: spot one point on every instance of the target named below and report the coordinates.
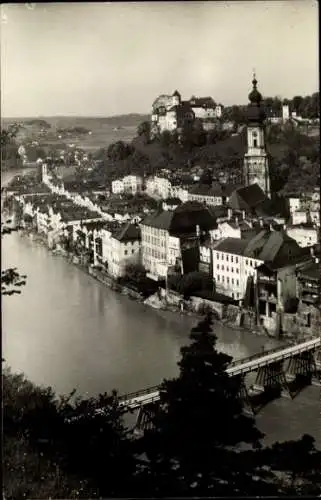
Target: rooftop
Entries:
(247, 198)
(183, 219)
(311, 271)
(234, 246)
(129, 232)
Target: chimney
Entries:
(316, 260)
(261, 223)
(271, 227)
(197, 230)
(312, 252)
(229, 213)
(237, 221)
(243, 214)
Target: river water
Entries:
(68, 331)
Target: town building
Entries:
(252, 201)
(256, 168)
(210, 195)
(205, 107)
(236, 228)
(171, 114)
(120, 247)
(159, 186)
(235, 260)
(171, 203)
(130, 184)
(306, 235)
(165, 234)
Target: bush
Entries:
(190, 283)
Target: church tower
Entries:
(256, 168)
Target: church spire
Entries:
(254, 96)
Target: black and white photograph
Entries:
(160, 249)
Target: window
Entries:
(232, 258)
(237, 282)
(222, 279)
(232, 269)
(125, 252)
(218, 277)
(218, 256)
(227, 280)
(246, 262)
(227, 269)
(232, 281)
(218, 266)
(236, 260)
(237, 271)
(227, 258)
(222, 268)
(255, 143)
(133, 251)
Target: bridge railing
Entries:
(259, 355)
(142, 392)
(155, 388)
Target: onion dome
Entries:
(255, 97)
(255, 113)
(177, 94)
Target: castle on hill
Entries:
(170, 112)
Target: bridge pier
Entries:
(144, 419)
(245, 397)
(301, 365)
(269, 377)
(317, 359)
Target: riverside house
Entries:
(121, 245)
(166, 233)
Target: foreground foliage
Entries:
(201, 444)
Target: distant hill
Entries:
(129, 120)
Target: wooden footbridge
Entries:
(302, 357)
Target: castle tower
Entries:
(256, 168)
(285, 112)
(176, 98)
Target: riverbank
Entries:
(162, 300)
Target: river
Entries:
(68, 331)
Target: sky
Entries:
(103, 59)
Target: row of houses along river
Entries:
(68, 331)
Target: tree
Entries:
(135, 272)
(198, 424)
(300, 461)
(10, 157)
(296, 103)
(194, 282)
(119, 151)
(58, 443)
(11, 279)
(165, 138)
(187, 136)
(279, 174)
(207, 177)
(198, 134)
(144, 130)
